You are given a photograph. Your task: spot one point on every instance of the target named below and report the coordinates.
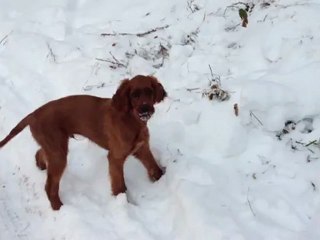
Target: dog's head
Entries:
(139, 95)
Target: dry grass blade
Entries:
(135, 34)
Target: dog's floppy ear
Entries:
(120, 99)
(159, 91)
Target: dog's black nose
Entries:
(144, 108)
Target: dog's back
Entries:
(77, 114)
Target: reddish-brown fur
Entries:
(116, 124)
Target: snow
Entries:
(227, 177)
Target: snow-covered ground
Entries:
(247, 177)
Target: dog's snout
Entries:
(144, 108)
(145, 111)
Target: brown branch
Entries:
(142, 34)
(236, 109)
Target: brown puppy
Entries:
(118, 124)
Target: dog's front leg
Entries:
(116, 174)
(145, 156)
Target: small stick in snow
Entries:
(142, 34)
(174, 100)
(192, 89)
(112, 62)
(310, 159)
(310, 143)
(90, 87)
(249, 203)
(116, 63)
(105, 60)
(4, 40)
(252, 114)
(53, 56)
(215, 78)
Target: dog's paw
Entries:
(155, 174)
(56, 204)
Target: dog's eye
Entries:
(148, 92)
(136, 93)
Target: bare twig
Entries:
(192, 6)
(232, 28)
(112, 62)
(310, 143)
(249, 203)
(215, 77)
(174, 100)
(192, 89)
(90, 87)
(211, 71)
(291, 5)
(253, 115)
(3, 41)
(142, 34)
(265, 18)
(310, 159)
(115, 61)
(152, 31)
(163, 52)
(106, 60)
(53, 56)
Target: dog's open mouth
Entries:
(145, 116)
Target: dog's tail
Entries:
(17, 129)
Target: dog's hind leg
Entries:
(41, 159)
(51, 156)
(57, 161)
